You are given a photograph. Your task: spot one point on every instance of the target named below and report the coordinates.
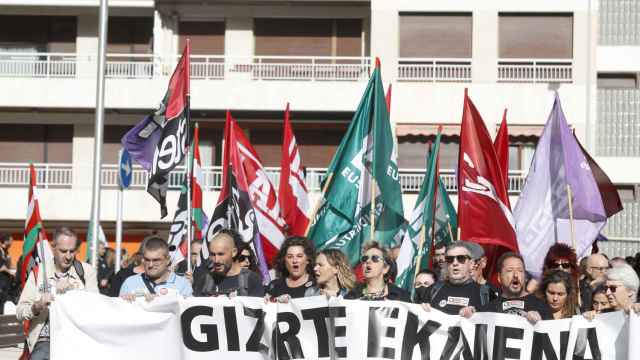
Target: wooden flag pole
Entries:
(573, 230)
(450, 231)
(318, 204)
(420, 251)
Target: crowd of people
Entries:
(455, 285)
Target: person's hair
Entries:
(196, 242)
(65, 231)
(253, 262)
(570, 307)
(429, 272)
(508, 255)
(583, 265)
(155, 243)
(4, 237)
(135, 260)
(335, 258)
(439, 245)
(562, 251)
(627, 276)
(385, 256)
(309, 251)
(600, 289)
(461, 244)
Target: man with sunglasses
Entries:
(459, 290)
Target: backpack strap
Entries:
(243, 283)
(484, 294)
(77, 265)
(150, 286)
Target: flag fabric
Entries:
(292, 192)
(33, 233)
(367, 152)
(172, 145)
(432, 212)
(542, 212)
(178, 230)
(483, 214)
(387, 99)
(102, 239)
(501, 145)
(142, 139)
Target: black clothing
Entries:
(246, 283)
(118, 279)
(450, 298)
(6, 281)
(393, 293)
(519, 306)
(279, 287)
(181, 268)
(494, 292)
(586, 294)
(105, 272)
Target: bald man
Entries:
(595, 273)
(221, 276)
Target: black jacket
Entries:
(394, 293)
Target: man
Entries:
(196, 248)
(596, 266)
(622, 287)
(104, 270)
(222, 275)
(480, 263)
(459, 290)
(64, 273)
(157, 278)
(439, 265)
(514, 298)
(6, 272)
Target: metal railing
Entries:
(618, 122)
(625, 223)
(304, 68)
(619, 22)
(47, 175)
(38, 65)
(434, 70)
(535, 70)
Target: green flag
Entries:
(366, 157)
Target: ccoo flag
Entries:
(366, 158)
(542, 211)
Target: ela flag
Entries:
(501, 144)
(172, 144)
(483, 212)
(33, 233)
(293, 193)
(542, 211)
(364, 164)
(142, 139)
(102, 239)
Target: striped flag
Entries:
(199, 218)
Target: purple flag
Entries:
(542, 211)
(141, 141)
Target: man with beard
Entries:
(514, 298)
(458, 291)
(223, 276)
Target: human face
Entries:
(562, 264)
(195, 252)
(600, 302)
(221, 253)
(244, 259)
(459, 269)
(64, 252)
(423, 280)
(296, 262)
(556, 295)
(619, 296)
(438, 256)
(512, 277)
(374, 266)
(478, 268)
(101, 249)
(155, 263)
(324, 271)
(597, 265)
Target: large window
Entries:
(207, 37)
(38, 33)
(435, 35)
(36, 143)
(130, 35)
(536, 36)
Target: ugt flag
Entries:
(542, 211)
(172, 144)
(364, 163)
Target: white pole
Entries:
(119, 228)
(98, 130)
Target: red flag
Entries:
(292, 192)
(501, 145)
(388, 99)
(483, 214)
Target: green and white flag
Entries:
(102, 239)
(367, 152)
(435, 212)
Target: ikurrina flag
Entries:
(366, 158)
(292, 192)
(33, 233)
(172, 145)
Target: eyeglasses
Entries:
(599, 268)
(460, 258)
(154, 261)
(374, 258)
(562, 265)
(242, 258)
(611, 288)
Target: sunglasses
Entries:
(562, 265)
(374, 258)
(611, 288)
(460, 258)
(242, 258)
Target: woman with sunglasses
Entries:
(559, 291)
(376, 264)
(333, 274)
(246, 259)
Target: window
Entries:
(207, 37)
(536, 36)
(618, 81)
(36, 143)
(436, 35)
(38, 33)
(130, 35)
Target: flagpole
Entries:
(449, 228)
(423, 236)
(188, 176)
(43, 262)
(573, 230)
(318, 204)
(373, 208)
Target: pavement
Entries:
(11, 353)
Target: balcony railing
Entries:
(434, 70)
(618, 122)
(619, 22)
(47, 175)
(535, 70)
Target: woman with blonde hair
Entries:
(333, 274)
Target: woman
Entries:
(599, 300)
(333, 273)
(294, 265)
(376, 264)
(559, 291)
(245, 258)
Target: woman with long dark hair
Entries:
(294, 265)
(559, 292)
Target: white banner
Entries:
(84, 324)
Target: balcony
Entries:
(434, 70)
(620, 22)
(535, 70)
(618, 123)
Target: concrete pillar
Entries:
(165, 35)
(82, 156)
(385, 37)
(87, 45)
(239, 45)
(484, 65)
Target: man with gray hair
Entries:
(622, 288)
(595, 270)
(459, 290)
(477, 273)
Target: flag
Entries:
(292, 192)
(172, 144)
(365, 158)
(501, 145)
(542, 211)
(33, 233)
(483, 214)
(142, 139)
(432, 212)
(102, 239)
(178, 230)
(387, 99)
